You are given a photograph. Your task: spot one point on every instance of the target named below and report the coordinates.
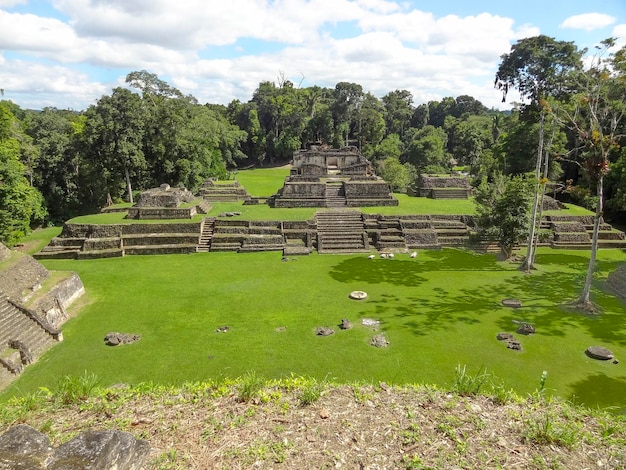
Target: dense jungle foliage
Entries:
(56, 164)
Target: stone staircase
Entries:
(390, 235)
(206, 235)
(223, 192)
(247, 236)
(576, 232)
(335, 194)
(17, 323)
(341, 231)
(451, 230)
(159, 243)
(450, 193)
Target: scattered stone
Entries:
(324, 413)
(280, 329)
(379, 341)
(374, 324)
(229, 214)
(599, 352)
(514, 344)
(615, 361)
(513, 303)
(510, 340)
(358, 295)
(222, 329)
(384, 386)
(345, 324)
(116, 339)
(324, 331)
(504, 336)
(526, 329)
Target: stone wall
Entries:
(429, 182)
(55, 302)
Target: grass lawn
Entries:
(437, 311)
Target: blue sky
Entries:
(68, 53)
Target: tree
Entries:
(20, 203)
(398, 111)
(537, 67)
(114, 132)
(503, 207)
(347, 99)
(426, 149)
(597, 115)
(399, 176)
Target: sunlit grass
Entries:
(438, 311)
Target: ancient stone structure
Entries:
(617, 281)
(326, 177)
(23, 447)
(29, 323)
(218, 191)
(116, 339)
(443, 187)
(165, 202)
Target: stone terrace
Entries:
(31, 310)
(444, 187)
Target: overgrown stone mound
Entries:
(117, 339)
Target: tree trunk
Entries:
(584, 300)
(128, 185)
(527, 265)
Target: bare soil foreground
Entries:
(307, 425)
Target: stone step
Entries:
(160, 249)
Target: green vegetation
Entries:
(439, 310)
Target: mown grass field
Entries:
(438, 311)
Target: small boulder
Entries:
(379, 341)
(116, 339)
(324, 331)
(358, 295)
(512, 303)
(345, 324)
(599, 352)
(526, 329)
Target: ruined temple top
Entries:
(318, 161)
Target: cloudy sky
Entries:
(68, 53)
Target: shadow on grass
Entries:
(543, 295)
(600, 390)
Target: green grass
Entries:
(262, 182)
(438, 311)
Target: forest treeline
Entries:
(56, 164)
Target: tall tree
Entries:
(597, 117)
(537, 67)
(398, 111)
(114, 131)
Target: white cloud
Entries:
(11, 3)
(588, 21)
(36, 85)
(619, 32)
(390, 46)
